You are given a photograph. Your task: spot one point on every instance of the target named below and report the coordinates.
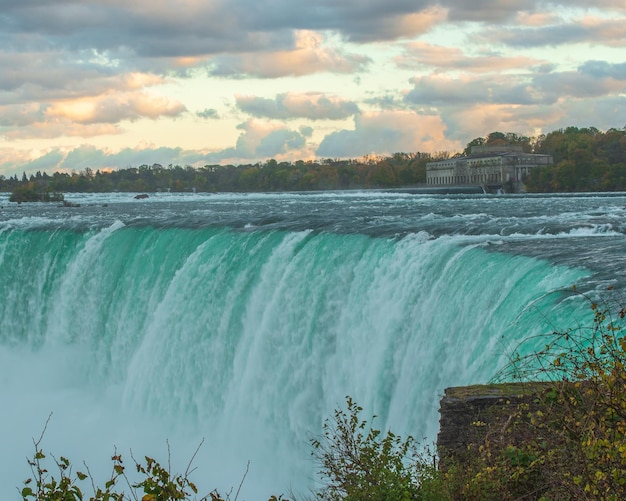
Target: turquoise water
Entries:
(247, 320)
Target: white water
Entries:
(132, 336)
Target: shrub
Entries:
(31, 193)
(157, 483)
(571, 443)
(358, 462)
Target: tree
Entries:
(358, 462)
(479, 141)
(496, 138)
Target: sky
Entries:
(117, 83)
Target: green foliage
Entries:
(30, 192)
(499, 138)
(585, 159)
(570, 442)
(401, 169)
(44, 486)
(159, 485)
(157, 482)
(358, 462)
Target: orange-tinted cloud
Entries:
(308, 56)
(115, 107)
(387, 132)
(422, 54)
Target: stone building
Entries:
(495, 168)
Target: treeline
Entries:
(401, 169)
(585, 159)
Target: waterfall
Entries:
(136, 335)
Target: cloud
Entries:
(616, 5)
(603, 113)
(590, 80)
(84, 117)
(44, 73)
(537, 18)
(85, 103)
(17, 161)
(586, 82)
(445, 91)
(592, 30)
(262, 140)
(470, 122)
(135, 35)
(384, 25)
(308, 56)
(89, 156)
(290, 105)
(85, 155)
(114, 108)
(176, 28)
(20, 115)
(60, 128)
(422, 54)
(385, 133)
(602, 69)
(208, 114)
(73, 70)
(258, 140)
(485, 10)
